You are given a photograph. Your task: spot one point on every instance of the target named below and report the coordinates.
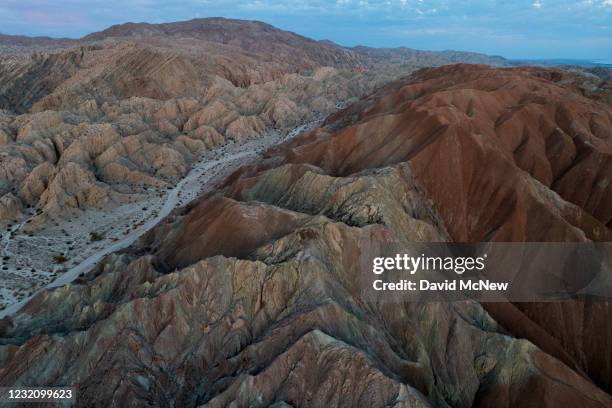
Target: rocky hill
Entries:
(249, 296)
(19, 45)
(254, 37)
(93, 134)
(423, 58)
(141, 111)
(136, 104)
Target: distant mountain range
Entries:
(245, 33)
(252, 35)
(25, 41)
(563, 61)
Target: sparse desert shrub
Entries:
(59, 259)
(95, 236)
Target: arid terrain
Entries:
(104, 131)
(242, 171)
(96, 132)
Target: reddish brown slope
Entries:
(180, 320)
(506, 155)
(488, 146)
(252, 37)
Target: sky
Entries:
(524, 29)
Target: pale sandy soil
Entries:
(27, 262)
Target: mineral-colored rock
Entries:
(35, 184)
(251, 295)
(10, 207)
(144, 141)
(217, 114)
(208, 135)
(93, 140)
(37, 125)
(74, 187)
(143, 109)
(245, 127)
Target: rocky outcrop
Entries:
(250, 296)
(74, 187)
(10, 207)
(144, 141)
(269, 323)
(178, 89)
(35, 184)
(518, 142)
(140, 107)
(245, 127)
(251, 36)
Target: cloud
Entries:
(537, 4)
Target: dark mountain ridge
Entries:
(249, 35)
(22, 40)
